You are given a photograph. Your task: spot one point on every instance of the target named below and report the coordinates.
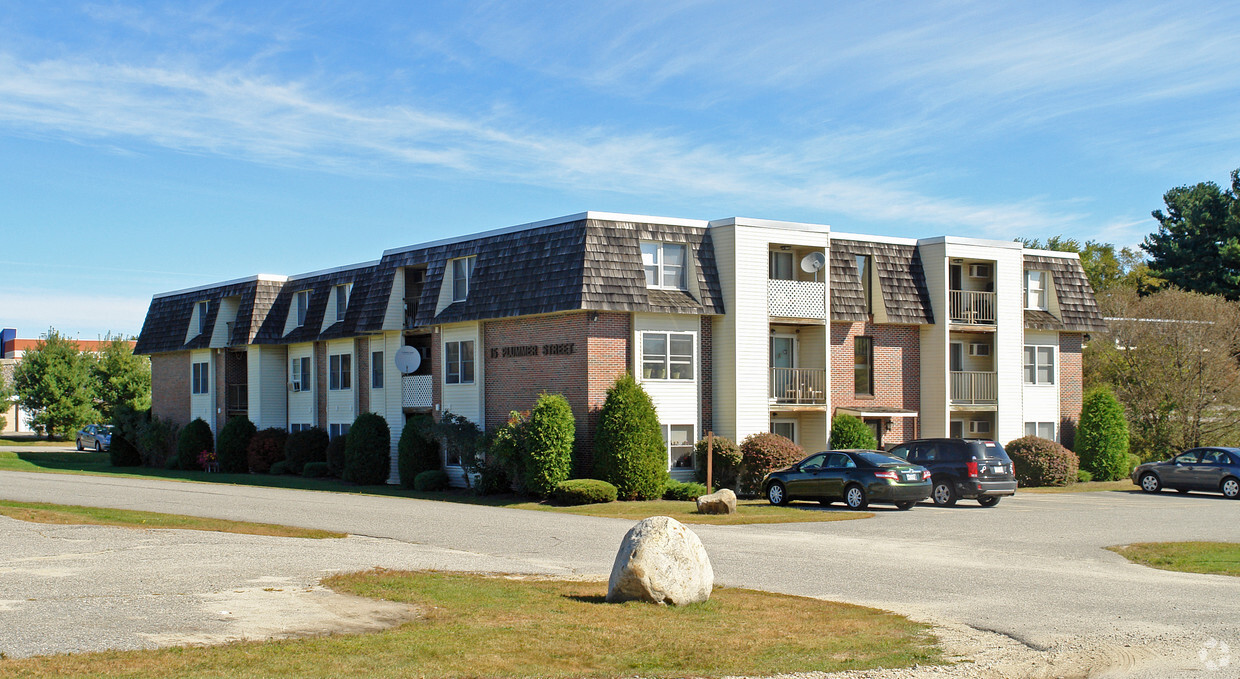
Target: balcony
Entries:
(796, 299)
(974, 388)
(799, 386)
(971, 308)
(236, 399)
(415, 391)
(411, 312)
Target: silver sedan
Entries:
(1213, 470)
(96, 436)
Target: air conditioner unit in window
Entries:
(979, 271)
(979, 349)
(979, 426)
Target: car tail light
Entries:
(925, 475)
(887, 474)
(971, 465)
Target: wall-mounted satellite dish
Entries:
(408, 359)
(813, 263)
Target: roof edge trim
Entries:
(273, 278)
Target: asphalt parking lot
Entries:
(1030, 574)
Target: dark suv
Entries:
(969, 468)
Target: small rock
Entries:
(662, 562)
(720, 502)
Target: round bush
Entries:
(418, 450)
(849, 432)
(431, 480)
(305, 446)
(266, 448)
(1083, 476)
(315, 470)
(335, 455)
(232, 454)
(548, 444)
(682, 492)
(367, 453)
(628, 444)
(1102, 436)
(763, 452)
(583, 492)
(279, 468)
(1041, 462)
(195, 438)
(726, 466)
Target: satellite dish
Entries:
(813, 263)
(408, 359)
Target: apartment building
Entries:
(733, 326)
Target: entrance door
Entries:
(876, 426)
(956, 430)
(955, 277)
(956, 357)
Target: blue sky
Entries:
(151, 147)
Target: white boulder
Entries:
(662, 562)
(719, 502)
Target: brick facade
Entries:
(320, 384)
(897, 372)
(361, 349)
(170, 375)
(1071, 384)
(707, 376)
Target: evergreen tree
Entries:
(1102, 436)
(1197, 246)
(548, 444)
(628, 445)
(6, 401)
(121, 377)
(55, 385)
(848, 432)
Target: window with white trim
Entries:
(303, 306)
(1044, 430)
(667, 355)
(1035, 290)
(459, 362)
(295, 427)
(462, 271)
(342, 301)
(200, 378)
(376, 370)
(785, 428)
(334, 430)
(664, 264)
(679, 441)
(299, 374)
(202, 317)
(339, 372)
(1039, 364)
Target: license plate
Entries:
(912, 477)
(998, 469)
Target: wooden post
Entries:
(710, 455)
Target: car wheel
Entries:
(944, 494)
(98, 447)
(854, 497)
(1150, 483)
(80, 446)
(775, 494)
(988, 500)
(1230, 488)
(825, 502)
(905, 506)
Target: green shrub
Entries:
(849, 432)
(157, 442)
(763, 452)
(583, 492)
(418, 449)
(431, 480)
(506, 453)
(1102, 436)
(548, 444)
(335, 455)
(368, 454)
(127, 423)
(171, 462)
(279, 468)
(492, 478)
(315, 470)
(1083, 476)
(628, 444)
(1042, 462)
(234, 443)
(1133, 463)
(726, 465)
(675, 490)
(195, 438)
(304, 447)
(266, 448)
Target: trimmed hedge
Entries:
(304, 447)
(367, 452)
(195, 438)
(849, 432)
(234, 444)
(725, 468)
(628, 444)
(1042, 462)
(763, 452)
(431, 479)
(676, 490)
(548, 444)
(418, 450)
(279, 468)
(1102, 436)
(266, 448)
(335, 455)
(315, 470)
(583, 492)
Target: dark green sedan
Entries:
(858, 477)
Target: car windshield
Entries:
(879, 459)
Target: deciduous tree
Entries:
(121, 377)
(56, 385)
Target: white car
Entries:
(97, 436)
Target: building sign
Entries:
(520, 350)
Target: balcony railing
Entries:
(974, 388)
(236, 398)
(972, 308)
(415, 391)
(796, 386)
(411, 312)
(796, 299)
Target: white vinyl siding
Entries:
(340, 401)
(202, 403)
(464, 398)
(299, 308)
(301, 405)
(1040, 403)
(266, 384)
(677, 401)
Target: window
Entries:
(667, 356)
(459, 362)
(303, 305)
(863, 366)
(785, 428)
(462, 271)
(299, 426)
(1035, 290)
(1044, 430)
(864, 263)
(339, 372)
(781, 266)
(334, 430)
(664, 264)
(300, 374)
(342, 301)
(202, 317)
(200, 378)
(376, 370)
(1039, 365)
(679, 440)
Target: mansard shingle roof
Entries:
(320, 287)
(1078, 308)
(167, 319)
(901, 280)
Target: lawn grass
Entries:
(41, 512)
(31, 440)
(1086, 487)
(1219, 558)
(748, 511)
(496, 626)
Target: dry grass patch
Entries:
(1218, 558)
(747, 512)
(491, 626)
(1086, 487)
(40, 512)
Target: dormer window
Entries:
(664, 264)
(1035, 290)
(342, 301)
(462, 271)
(864, 264)
(202, 317)
(303, 306)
